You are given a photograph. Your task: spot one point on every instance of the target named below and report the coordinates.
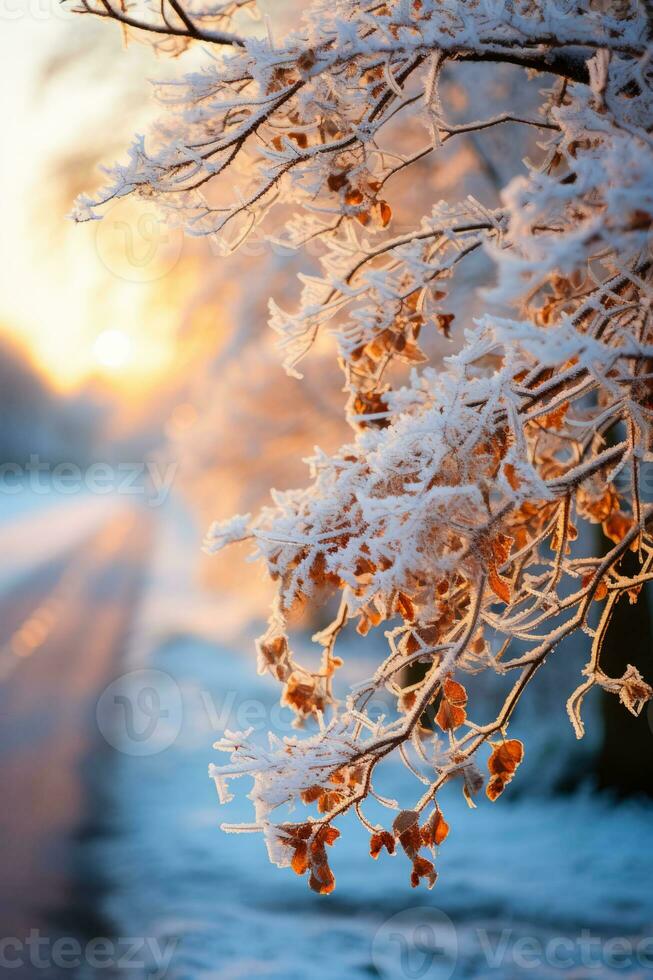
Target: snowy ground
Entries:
(530, 886)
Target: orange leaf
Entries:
(422, 868)
(336, 181)
(405, 607)
(501, 545)
(556, 418)
(299, 862)
(455, 692)
(406, 829)
(330, 835)
(511, 476)
(495, 788)
(601, 589)
(500, 586)
(435, 830)
(450, 716)
(444, 321)
(386, 213)
(506, 756)
(380, 840)
(322, 880)
(407, 701)
(617, 526)
(353, 197)
(328, 801)
(441, 828)
(412, 300)
(451, 713)
(311, 794)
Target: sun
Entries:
(112, 349)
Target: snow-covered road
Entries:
(63, 622)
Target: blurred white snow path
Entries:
(175, 603)
(35, 528)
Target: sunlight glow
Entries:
(112, 349)
(64, 321)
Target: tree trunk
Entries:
(625, 759)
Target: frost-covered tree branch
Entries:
(451, 517)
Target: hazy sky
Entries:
(70, 92)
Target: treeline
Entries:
(37, 419)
